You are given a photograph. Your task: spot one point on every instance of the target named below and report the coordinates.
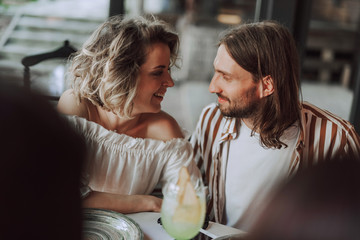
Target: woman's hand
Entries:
(123, 203)
(150, 202)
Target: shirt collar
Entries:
(229, 130)
(232, 125)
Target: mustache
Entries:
(223, 97)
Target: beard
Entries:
(244, 107)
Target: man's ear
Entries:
(268, 86)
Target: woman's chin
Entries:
(149, 110)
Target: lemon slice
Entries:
(184, 177)
(189, 208)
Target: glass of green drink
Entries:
(183, 207)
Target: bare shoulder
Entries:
(162, 126)
(68, 105)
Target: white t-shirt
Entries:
(252, 172)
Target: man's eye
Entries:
(225, 77)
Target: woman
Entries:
(119, 79)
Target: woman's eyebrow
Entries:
(160, 66)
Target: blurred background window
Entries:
(326, 31)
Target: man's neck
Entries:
(249, 123)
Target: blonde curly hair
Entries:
(106, 68)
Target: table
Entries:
(154, 231)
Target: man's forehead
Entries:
(223, 60)
(226, 64)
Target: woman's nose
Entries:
(168, 81)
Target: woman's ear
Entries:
(268, 86)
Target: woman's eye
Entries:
(158, 73)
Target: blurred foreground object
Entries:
(318, 203)
(40, 168)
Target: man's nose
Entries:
(213, 88)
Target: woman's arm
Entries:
(122, 203)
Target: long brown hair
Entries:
(268, 49)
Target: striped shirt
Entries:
(322, 136)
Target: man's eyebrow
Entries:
(223, 72)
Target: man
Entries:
(260, 132)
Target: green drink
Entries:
(183, 206)
(178, 229)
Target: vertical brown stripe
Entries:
(213, 189)
(200, 162)
(207, 130)
(333, 140)
(322, 140)
(301, 158)
(343, 142)
(196, 147)
(210, 210)
(204, 116)
(311, 138)
(216, 191)
(301, 163)
(216, 129)
(207, 133)
(202, 147)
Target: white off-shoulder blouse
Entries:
(118, 163)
